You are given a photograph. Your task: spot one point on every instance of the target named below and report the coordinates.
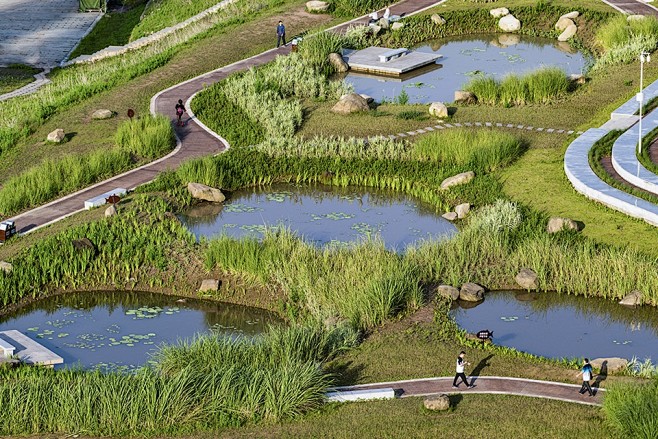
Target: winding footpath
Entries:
(485, 385)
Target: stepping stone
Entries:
(438, 126)
(498, 124)
(488, 124)
(478, 124)
(411, 133)
(519, 126)
(468, 124)
(458, 125)
(570, 132)
(540, 129)
(550, 130)
(421, 131)
(560, 131)
(429, 129)
(529, 128)
(392, 137)
(402, 135)
(449, 126)
(509, 125)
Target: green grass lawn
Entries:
(112, 30)
(15, 76)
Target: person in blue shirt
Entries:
(280, 34)
(586, 372)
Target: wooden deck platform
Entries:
(28, 350)
(368, 60)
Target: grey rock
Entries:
(437, 402)
(527, 279)
(471, 292)
(437, 19)
(450, 216)
(338, 63)
(448, 291)
(455, 180)
(317, 6)
(56, 136)
(111, 211)
(6, 266)
(612, 364)
(569, 32)
(202, 192)
(383, 23)
(462, 210)
(571, 15)
(557, 224)
(397, 25)
(102, 114)
(438, 109)
(509, 23)
(633, 298)
(209, 285)
(375, 29)
(499, 12)
(563, 23)
(84, 244)
(350, 103)
(465, 97)
(578, 78)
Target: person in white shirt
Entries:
(460, 371)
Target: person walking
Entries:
(280, 34)
(461, 362)
(180, 109)
(586, 372)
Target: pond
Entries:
(324, 215)
(466, 56)
(559, 325)
(110, 329)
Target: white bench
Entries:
(6, 349)
(360, 395)
(394, 53)
(100, 199)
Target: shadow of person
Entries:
(603, 374)
(455, 399)
(475, 373)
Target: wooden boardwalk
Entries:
(487, 385)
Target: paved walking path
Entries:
(490, 385)
(632, 7)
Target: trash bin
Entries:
(7, 230)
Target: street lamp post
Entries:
(644, 57)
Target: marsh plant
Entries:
(622, 40)
(632, 408)
(149, 137)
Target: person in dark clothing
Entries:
(280, 34)
(586, 372)
(460, 371)
(180, 109)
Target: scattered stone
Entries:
(557, 224)
(499, 12)
(577, 78)
(507, 40)
(317, 6)
(369, 99)
(181, 301)
(209, 285)
(471, 292)
(338, 62)
(6, 266)
(634, 298)
(635, 17)
(462, 210)
(527, 279)
(509, 23)
(111, 210)
(571, 15)
(84, 244)
(375, 29)
(465, 97)
(614, 364)
(56, 136)
(437, 19)
(438, 109)
(568, 33)
(102, 114)
(563, 23)
(437, 402)
(455, 180)
(207, 193)
(350, 103)
(450, 216)
(448, 291)
(397, 25)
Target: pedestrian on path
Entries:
(586, 372)
(280, 34)
(460, 371)
(180, 109)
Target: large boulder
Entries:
(563, 23)
(612, 364)
(634, 298)
(438, 109)
(450, 216)
(102, 114)
(397, 25)
(465, 97)
(84, 244)
(448, 291)
(455, 180)
(338, 62)
(571, 15)
(317, 6)
(437, 19)
(111, 211)
(509, 23)
(350, 103)
(437, 402)
(569, 32)
(462, 210)
(56, 136)
(6, 266)
(202, 192)
(499, 12)
(209, 285)
(471, 292)
(527, 279)
(557, 224)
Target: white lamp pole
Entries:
(644, 57)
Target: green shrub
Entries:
(623, 40)
(632, 409)
(150, 137)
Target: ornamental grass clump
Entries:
(632, 408)
(623, 40)
(149, 137)
(539, 87)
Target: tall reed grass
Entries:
(355, 8)
(149, 137)
(632, 409)
(623, 40)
